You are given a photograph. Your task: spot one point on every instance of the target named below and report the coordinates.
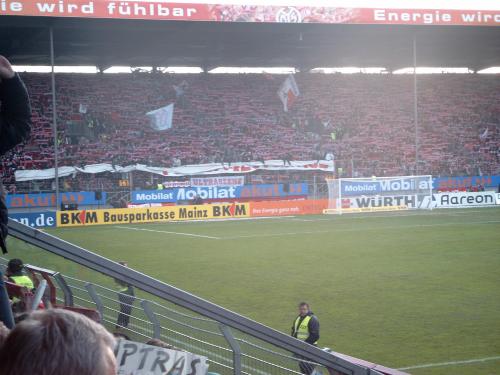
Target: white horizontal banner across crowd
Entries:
(186, 170)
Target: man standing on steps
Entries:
(306, 328)
(126, 298)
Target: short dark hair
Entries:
(56, 342)
(15, 266)
(303, 304)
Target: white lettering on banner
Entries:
(498, 198)
(386, 185)
(217, 181)
(155, 196)
(134, 358)
(204, 193)
(361, 188)
(465, 199)
(403, 185)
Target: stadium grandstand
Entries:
(183, 159)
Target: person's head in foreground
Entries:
(58, 342)
(303, 308)
(14, 267)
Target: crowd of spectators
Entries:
(365, 122)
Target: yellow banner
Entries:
(151, 215)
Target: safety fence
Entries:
(140, 318)
(233, 343)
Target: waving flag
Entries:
(161, 118)
(484, 134)
(288, 92)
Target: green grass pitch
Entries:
(401, 289)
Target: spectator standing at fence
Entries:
(126, 297)
(15, 273)
(58, 342)
(306, 328)
(15, 126)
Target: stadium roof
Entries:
(25, 40)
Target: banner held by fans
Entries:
(141, 359)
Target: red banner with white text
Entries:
(342, 13)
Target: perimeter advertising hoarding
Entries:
(285, 208)
(219, 192)
(82, 198)
(465, 182)
(151, 215)
(478, 13)
(471, 199)
(35, 219)
(375, 186)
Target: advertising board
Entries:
(465, 199)
(382, 12)
(219, 192)
(35, 219)
(151, 215)
(465, 182)
(379, 201)
(288, 207)
(82, 198)
(377, 186)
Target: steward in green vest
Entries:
(16, 275)
(306, 328)
(306, 325)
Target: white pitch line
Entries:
(168, 232)
(388, 215)
(357, 229)
(452, 363)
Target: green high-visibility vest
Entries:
(23, 281)
(302, 331)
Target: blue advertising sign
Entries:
(373, 187)
(82, 198)
(464, 182)
(218, 193)
(35, 219)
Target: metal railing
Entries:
(232, 343)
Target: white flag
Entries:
(484, 134)
(82, 108)
(161, 118)
(288, 92)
